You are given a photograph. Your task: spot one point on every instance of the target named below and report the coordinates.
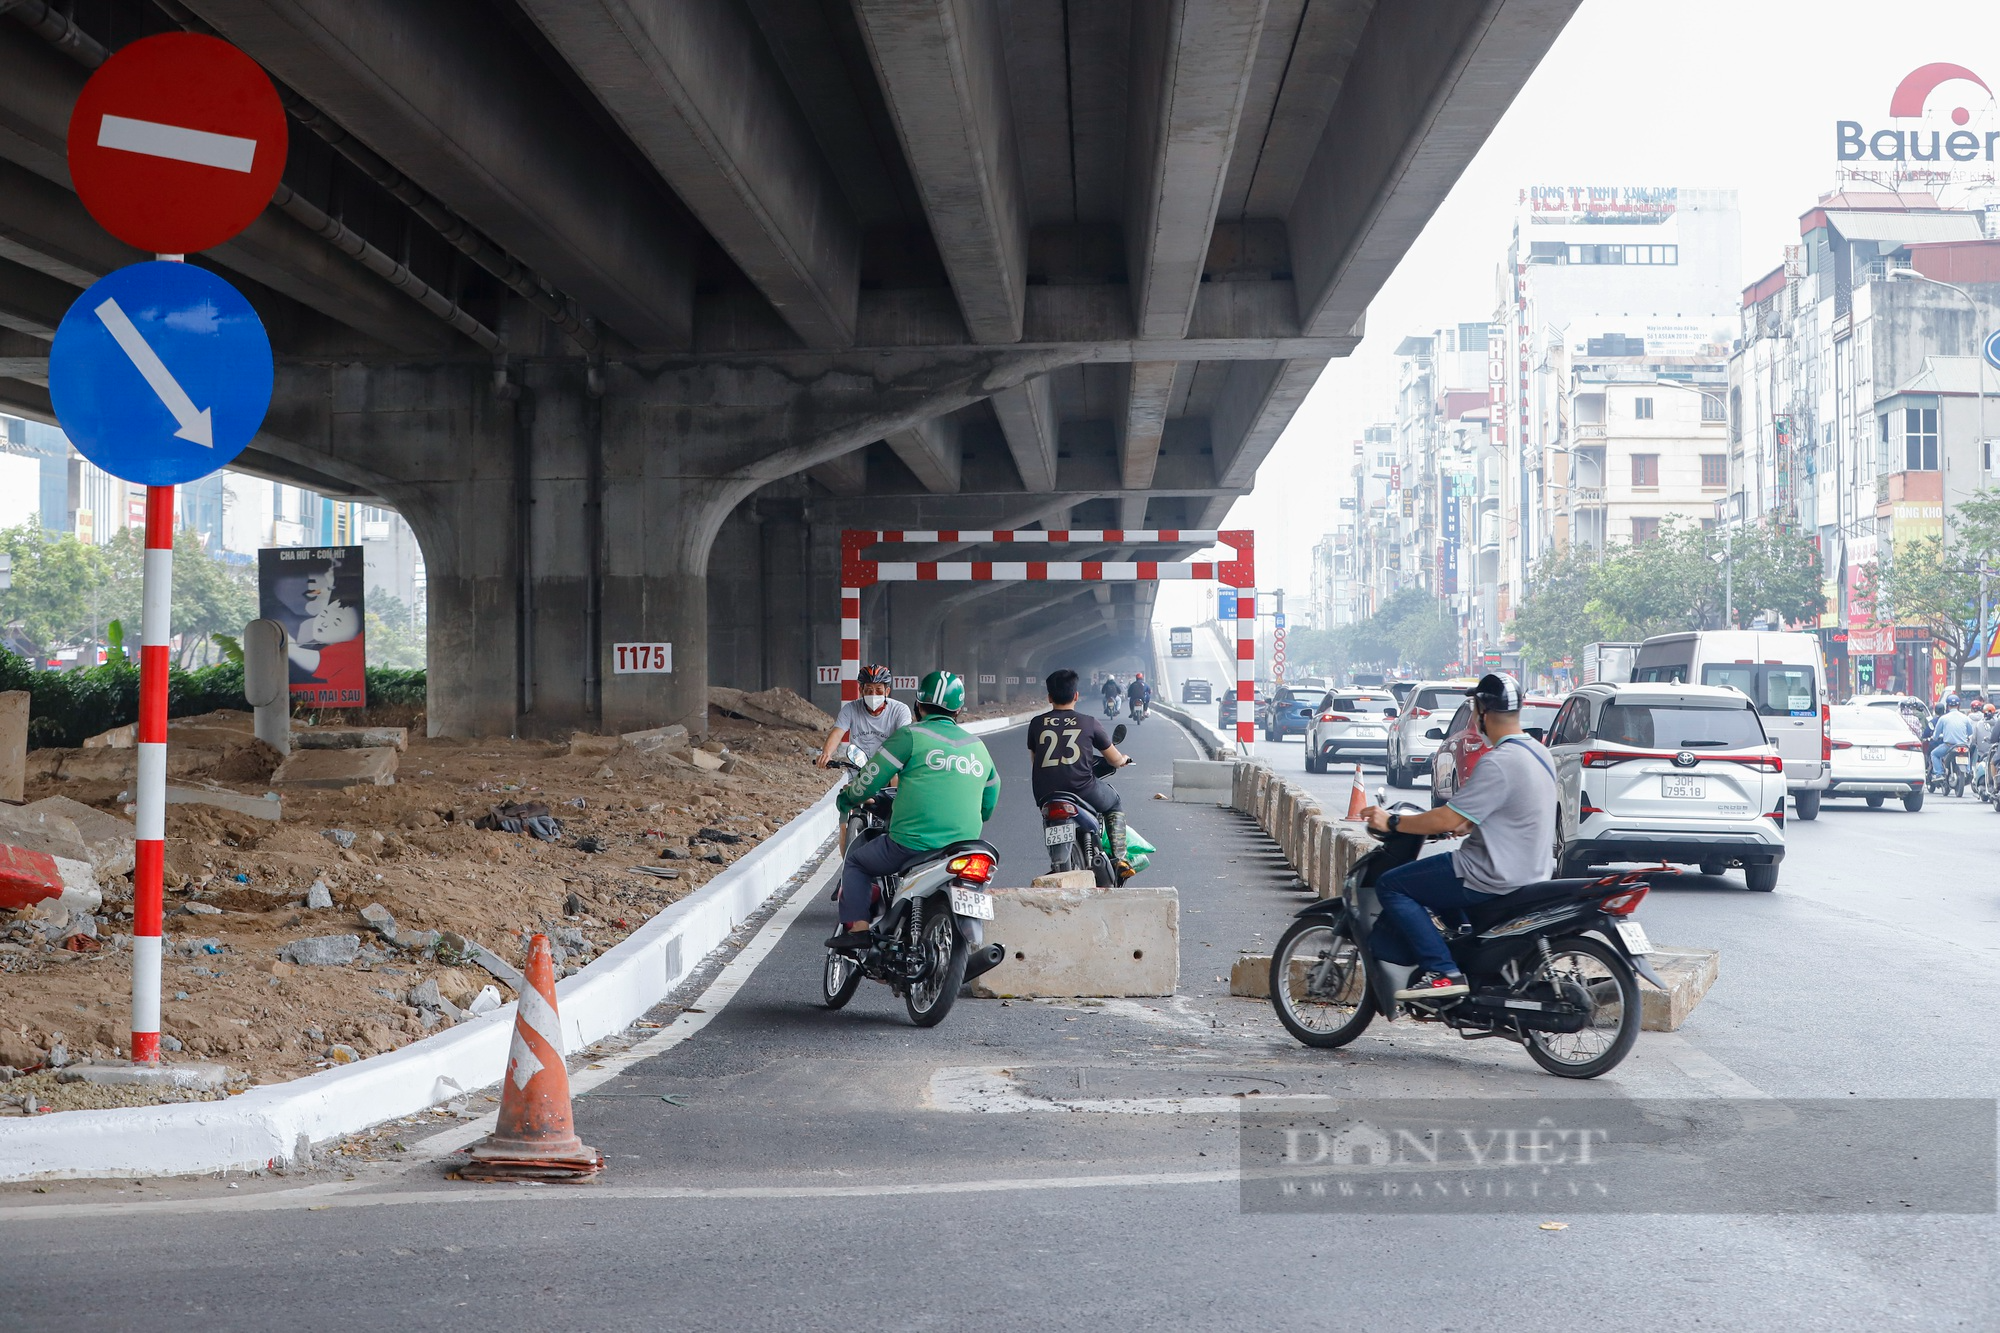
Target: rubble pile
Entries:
(311, 923)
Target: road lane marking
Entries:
(294, 1200)
(177, 142)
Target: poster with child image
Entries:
(315, 592)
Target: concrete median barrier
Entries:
(1688, 974)
(1204, 781)
(1084, 942)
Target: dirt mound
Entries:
(239, 889)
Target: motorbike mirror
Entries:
(1539, 733)
(1118, 734)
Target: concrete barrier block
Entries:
(1688, 974)
(1084, 942)
(1312, 868)
(1309, 810)
(1349, 847)
(1206, 781)
(1250, 977)
(1064, 879)
(338, 768)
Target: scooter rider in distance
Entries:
(947, 787)
(1061, 745)
(1508, 809)
(1138, 695)
(1110, 692)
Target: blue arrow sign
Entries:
(161, 373)
(1992, 349)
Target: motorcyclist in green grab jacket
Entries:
(946, 788)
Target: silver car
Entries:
(1348, 725)
(1414, 740)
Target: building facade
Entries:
(1856, 399)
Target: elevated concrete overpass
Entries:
(630, 306)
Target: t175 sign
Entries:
(641, 659)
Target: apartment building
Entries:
(1856, 400)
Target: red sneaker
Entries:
(1434, 986)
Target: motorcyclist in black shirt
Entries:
(1061, 746)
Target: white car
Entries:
(1420, 730)
(1875, 755)
(1349, 725)
(1667, 772)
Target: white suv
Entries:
(1666, 772)
(1348, 725)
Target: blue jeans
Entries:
(1406, 893)
(865, 861)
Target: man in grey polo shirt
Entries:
(1507, 809)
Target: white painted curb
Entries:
(265, 1125)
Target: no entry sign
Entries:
(176, 143)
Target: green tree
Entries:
(210, 597)
(1924, 585)
(1775, 570)
(58, 593)
(1555, 620)
(1657, 587)
(396, 634)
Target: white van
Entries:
(1784, 675)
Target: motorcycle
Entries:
(871, 817)
(1140, 709)
(1956, 772)
(1551, 967)
(1078, 840)
(926, 939)
(1111, 705)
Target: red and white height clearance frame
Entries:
(858, 572)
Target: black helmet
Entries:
(1496, 692)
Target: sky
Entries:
(1738, 94)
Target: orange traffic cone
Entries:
(535, 1139)
(1357, 796)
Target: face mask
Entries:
(874, 703)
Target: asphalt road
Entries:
(1072, 1165)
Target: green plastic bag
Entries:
(1137, 850)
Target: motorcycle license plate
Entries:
(1634, 936)
(1056, 833)
(971, 902)
(1684, 789)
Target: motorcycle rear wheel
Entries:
(1317, 983)
(943, 951)
(1602, 975)
(839, 980)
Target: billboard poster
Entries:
(315, 592)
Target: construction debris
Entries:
(284, 944)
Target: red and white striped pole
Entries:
(1246, 668)
(150, 850)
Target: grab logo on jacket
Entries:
(958, 763)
